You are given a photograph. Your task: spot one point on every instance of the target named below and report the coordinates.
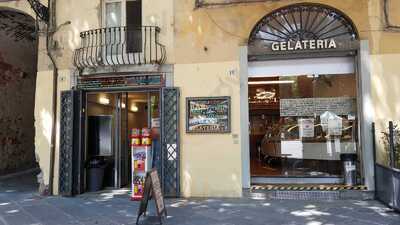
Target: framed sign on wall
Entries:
(208, 114)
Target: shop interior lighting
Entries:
(312, 76)
(263, 94)
(104, 101)
(271, 82)
(134, 108)
(123, 105)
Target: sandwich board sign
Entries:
(152, 189)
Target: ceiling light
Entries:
(258, 90)
(104, 101)
(265, 95)
(134, 108)
(271, 82)
(312, 76)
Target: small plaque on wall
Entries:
(208, 115)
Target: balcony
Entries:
(119, 46)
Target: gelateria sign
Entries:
(304, 45)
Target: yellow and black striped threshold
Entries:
(309, 192)
(306, 187)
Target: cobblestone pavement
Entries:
(20, 205)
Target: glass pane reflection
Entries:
(300, 125)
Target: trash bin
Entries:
(349, 168)
(96, 168)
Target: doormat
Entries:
(306, 187)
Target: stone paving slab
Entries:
(20, 205)
(97, 211)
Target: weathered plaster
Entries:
(18, 59)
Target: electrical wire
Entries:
(201, 4)
(388, 24)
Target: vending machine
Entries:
(141, 160)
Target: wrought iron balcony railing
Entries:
(114, 46)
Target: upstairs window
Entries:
(127, 14)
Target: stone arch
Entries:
(18, 69)
(302, 21)
(21, 7)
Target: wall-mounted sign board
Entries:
(120, 81)
(304, 45)
(208, 115)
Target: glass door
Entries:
(140, 111)
(124, 141)
(133, 114)
(155, 125)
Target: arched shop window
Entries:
(302, 86)
(303, 22)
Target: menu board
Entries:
(317, 106)
(208, 115)
(157, 192)
(152, 189)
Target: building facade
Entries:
(266, 71)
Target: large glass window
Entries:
(300, 125)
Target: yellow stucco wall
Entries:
(385, 94)
(385, 69)
(223, 29)
(43, 121)
(161, 14)
(210, 163)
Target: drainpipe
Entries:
(49, 41)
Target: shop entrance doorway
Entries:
(97, 123)
(111, 118)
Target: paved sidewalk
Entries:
(20, 205)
